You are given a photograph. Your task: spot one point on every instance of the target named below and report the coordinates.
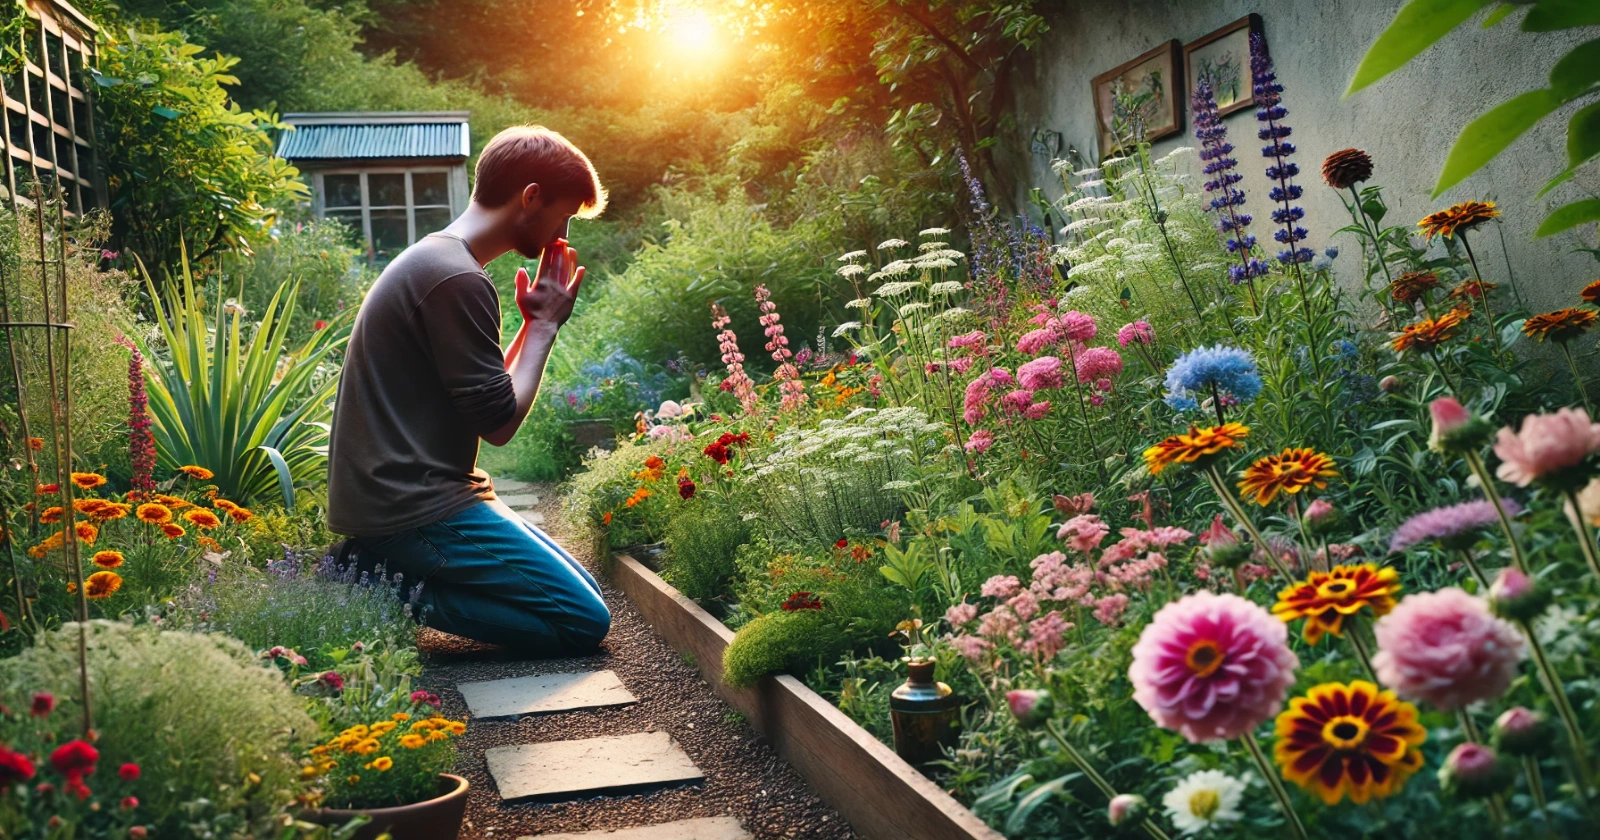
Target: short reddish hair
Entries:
(532, 154)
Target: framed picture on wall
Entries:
(1224, 57)
(1141, 97)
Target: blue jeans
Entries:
(490, 576)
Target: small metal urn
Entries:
(924, 713)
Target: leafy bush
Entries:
(701, 543)
(196, 711)
(780, 641)
(315, 253)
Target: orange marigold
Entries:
(172, 502)
(1199, 442)
(1560, 326)
(35, 443)
(173, 530)
(1457, 217)
(1326, 598)
(112, 510)
(1412, 286)
(47, 489)
(87, 532)
(102, 585)
(1289, 472)
(51, 515)
(88, 480)
(223, 504)
(1429, 333)
(202, 518)
(108, 559)
(1472, 291)
(1590, 293)
(240, 514)
(196, 472)
(154, 513)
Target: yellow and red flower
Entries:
(1472, 290)
(88, 480)
(172, 502)
(1429, 333)
(1349, 740)
(47, 489)
(112, 510)
(154, 513)
(1199, 442)
(1590, 293)
(102, 585)
(202, 518)
(1326, 598)
(172, 530)
(1457, 217)
(51, 515)
(197, 473)
(1290, 471)
(87, 532)
(1412, 286)
(223, 504)
(240, 515)
(1560, 326)
(109, 559)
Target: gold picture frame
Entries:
(1157, 77)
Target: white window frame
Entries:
(411, 207)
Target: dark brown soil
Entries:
(744, 778)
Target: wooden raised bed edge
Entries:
(882, 796)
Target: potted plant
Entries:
(392, 771)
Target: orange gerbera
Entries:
(51, 515)
(223, 504)
(154, 513)
(112, 510)
(1560, 326)
(197, 473)
(1457, 217)
(1412, 286)
(1590, 293)
(1289, 472)
(172, 502)
(1429, 333)
(202, 518)
(1349, 740)
(87, 532)
(88, 507)
(240, 514)
(172, 529)
(1325, 598)
(88, 480)
(108, 559)
(47, 489)
(102, 585)
(1199, 442)
(1472, 291)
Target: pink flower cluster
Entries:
(1072, 326)
(1138, 332)
(738, 381)
(975, 406)
(141, 443)
(787, 375)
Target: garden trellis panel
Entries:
(49, 108)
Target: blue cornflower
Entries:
(1270, 112)
(1222, 371)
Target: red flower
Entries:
(43, 704)
(718, 452)
(14, 767)
(802, 601)
(129, 771)
(76, 787)
(74, 758)
(332, 680)
(842, 543)
(686, 489)
(320, 325)
(130, 802)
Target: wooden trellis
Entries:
(49, 128)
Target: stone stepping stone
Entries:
(517, 500)
(705, 828)
(544, 693)
(532, 517)
(510, 485)
(565, 770)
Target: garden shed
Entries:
(392, 176)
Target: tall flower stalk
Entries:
(1216, 151)
(787, 375)
(141, 443)
(1269, 96)
(737, 380)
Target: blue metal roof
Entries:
(348, 136)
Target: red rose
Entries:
(14, 767)
(129, 771)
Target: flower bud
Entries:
(1521, 731)
(1031, 708)
(1517, 597)
(1455, 429)
(1222, 546)
(1390, 384)
(1321, 517)
(1473, 770)
(1127, 808)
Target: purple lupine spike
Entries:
(1216, 152)
(1270, 113)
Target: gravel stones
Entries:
(712, 828)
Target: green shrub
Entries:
(199, 713)
(701, 543)
(318, 254)
(781, 641)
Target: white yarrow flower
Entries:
(892, 243)
(859, 303)
(853, 255)
(1204, 799)
(846, 327)
(851, 270)
(947, 287)
(934, 231)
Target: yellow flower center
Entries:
(1335, 590)
(1203, 658)
(1345, 732)
(1204, 803)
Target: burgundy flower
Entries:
(802, 601)
(43, 704)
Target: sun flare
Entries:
(692, 32)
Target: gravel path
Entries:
(744, 778)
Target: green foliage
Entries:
(218, 401)
(186, 168)
(702, 541)
(199, 713)
(778, 642)
(317, 254)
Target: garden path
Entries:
(577, 727)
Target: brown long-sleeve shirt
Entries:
(423, 378)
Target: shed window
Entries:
(389, 209)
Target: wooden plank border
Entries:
(882, 796)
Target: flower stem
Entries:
(1487, 480)
(1239, 514)
(1434, 355)
(1483, 294)
(1095, 777)
(1585, 534)
(1530, 768)
(1466, 555)
(1278, 790)
(1495, 805)
(1357, 641)
(1578, 378)
(1558, 697)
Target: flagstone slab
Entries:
(705, 828)
(544, 693)
(532, 517)
(517, 500)
(564, 770)
(510, 485)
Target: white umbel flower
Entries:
(1204, 799)
(853, 255)
(934, 231)
(892, 243)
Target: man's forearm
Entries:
(526, 357)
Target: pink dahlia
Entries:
(1551, 448)
(1041, 374)
(1446, 648)
(1212, 666)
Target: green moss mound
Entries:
(781, 641)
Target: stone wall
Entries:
(1407, 121)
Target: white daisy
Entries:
(1204, 799)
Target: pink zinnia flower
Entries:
(1212, 666)
(1550, 447)
(1041, 374)
(1450, 525)
(1138, 332)
(1446, 648)
(1098, 363)
(1077, 326)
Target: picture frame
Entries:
(1224, 55)
(1157, 77)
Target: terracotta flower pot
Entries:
(438, 818)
